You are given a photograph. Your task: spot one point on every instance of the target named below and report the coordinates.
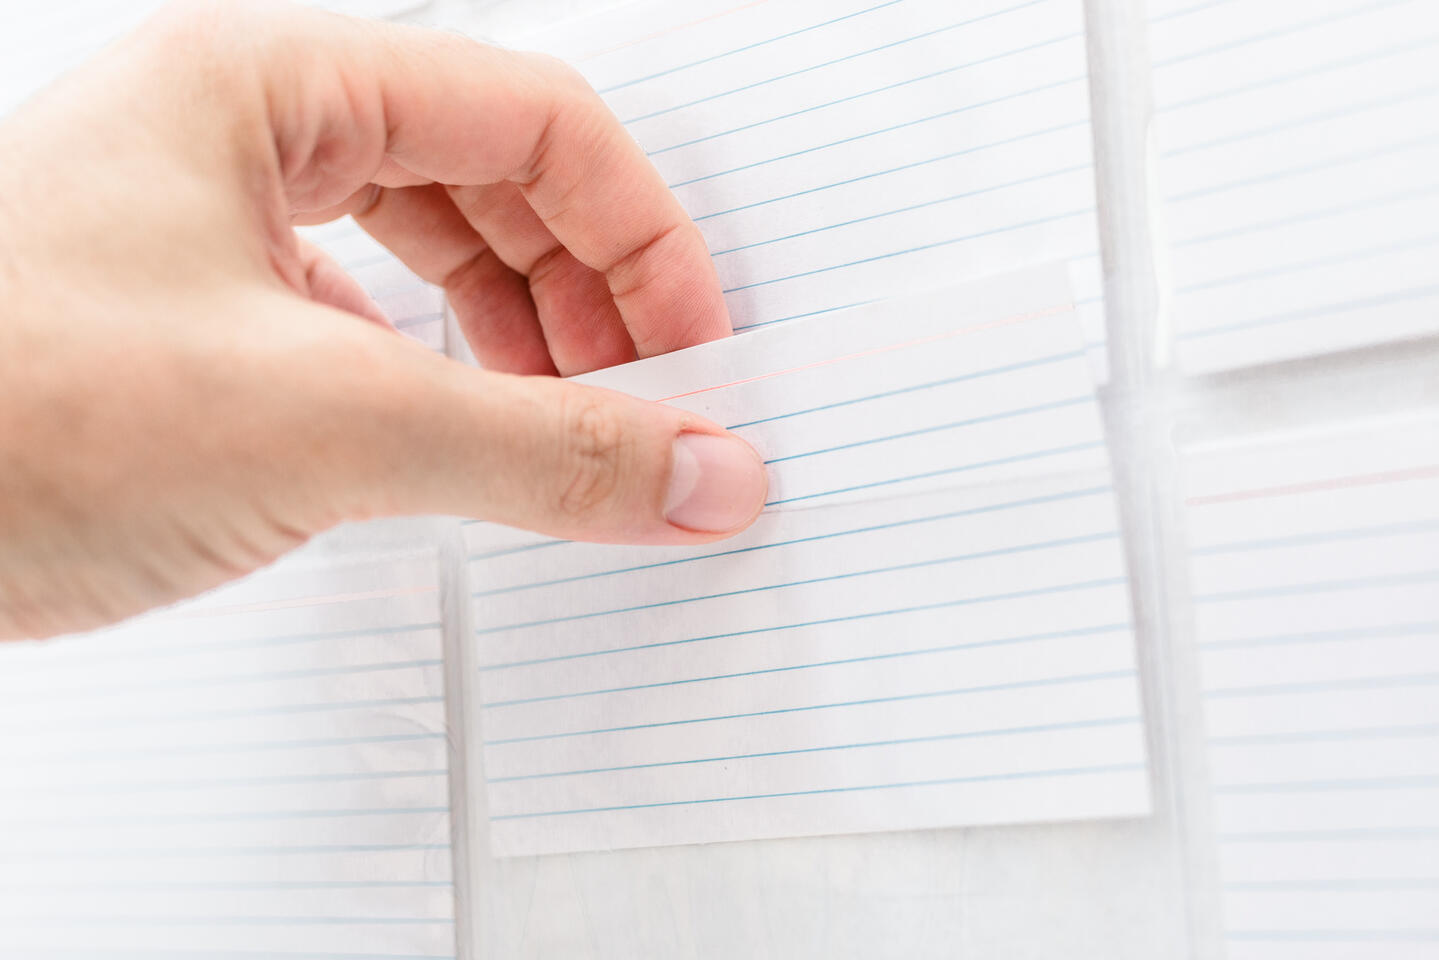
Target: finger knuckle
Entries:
(596, 440)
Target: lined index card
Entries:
(928, 626)
(261, 772)
(1298, 150)
(835, 152)
(1316, 577)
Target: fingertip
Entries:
(671, 300)
(717, 484)
(329, 284)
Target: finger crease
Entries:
(628, 263)
(546, 264)
(459, 274)
(537, 163)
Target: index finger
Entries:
(364, 96)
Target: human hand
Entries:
(187, 390)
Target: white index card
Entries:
(928, 626)
(260, 772)
(835, 152)
(1315, 561)
(1298, 159)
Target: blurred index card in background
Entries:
(263, 769)
(1298, 149)
(1315, 560)
(928, 626)
(416, 308)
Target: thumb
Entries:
(433, 436)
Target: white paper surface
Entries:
(1298, 160)
(928, 626)
(835, 153)
(262, 772)
(1316, 580)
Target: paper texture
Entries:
(1298, 145)
(835, 153)
(929, 626)
(1316, 581)
(261, 772)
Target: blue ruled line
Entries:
(809, 581)
(1310, 215)
(1358, 109)
(191, 647)
(209, 748)
(1276, 175)
(508, 551)
(1289, 269)
(946, 781)
(1086, 301)
(948, 648)
(109, 787)
(883, 130)
(281, 710)
(938, 428)
(938, 244)
(747, 47)
(251, 816)
(1320, 586)
(1329, 309)
(909, 209)
(846, 58)
(951, 515)
(868, 93)
(1326, 786)
(873, 614)
(1324, 636)
(91, 852)
(933, 384)
(936, 738)
(320, 707)
(234, 678)
(1326, 536)
(1008, 141)
(1329, 736)
(1288, 30)
(946, 471)
(1187, 11)
(870, 701)
(801, 316)
(1325, 686)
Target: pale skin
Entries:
(187, 390)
